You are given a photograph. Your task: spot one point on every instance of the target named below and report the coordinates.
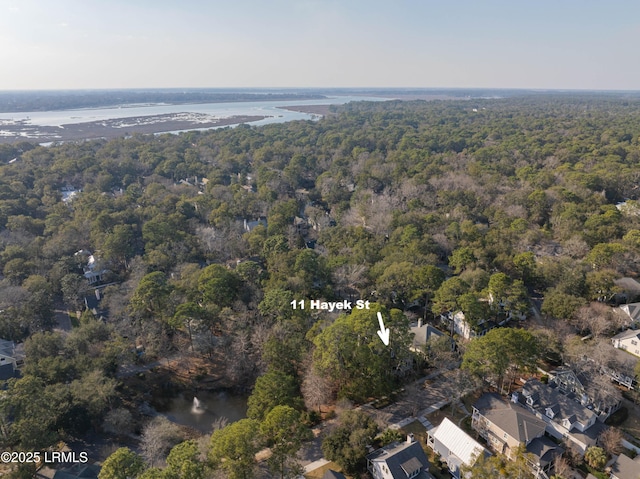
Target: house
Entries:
(331, 474)
(458, 324)
(78, 471)
(508, 426)
(93, 273)
(505, 426)
(628, 340)
(11, 358)
(454, 446)
(628, 290)
(249, 225)
(404, 460)
(69, 193)
(625, 468)
(620, 368)
(422, 333)
(580, 387)
(631, 312)
(564, 414)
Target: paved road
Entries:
(311, 452)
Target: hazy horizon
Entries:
(195, 44)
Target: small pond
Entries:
(201, 409)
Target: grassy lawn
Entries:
(318, 473)
(456, 415)
(418, 431)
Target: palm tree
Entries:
(596, 457)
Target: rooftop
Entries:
(629, 333)
(513, 419)
(626, 468)
(457, 441)
(543, 397)
(402, 459)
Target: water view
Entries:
(202, 410)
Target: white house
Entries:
(628, 340)
(454, 446)
(460, 326)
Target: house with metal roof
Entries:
(454, 446)
(404, 460)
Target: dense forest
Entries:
(204, 239)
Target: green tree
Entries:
(350, 352)
(561, 305)
(461, 259)
(122, 464)
(151, 298)
(596, 457)
(273, 389)
(499, 467)
(284, 434)
(347, 444)
(501, 350)
(183, 462)
(218, 285)
(233, 449)
(525, 265)
(446, 297)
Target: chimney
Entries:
(410, 438)
(420, 322)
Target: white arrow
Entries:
(384, 332)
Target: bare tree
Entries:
(561, 467)
(158, 437)
(119, 422)
(315, 389)
(611, 440)
(596, 318)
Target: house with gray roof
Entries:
(564, 415)
(580, 387)
(631, 312)
(422, 334)
(626, 468)
(454, 446)
(404, 460)
(331, 474)
(507, 426)
(10, 359)
(78, 471)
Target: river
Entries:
(221, 110)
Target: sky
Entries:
(543, 44)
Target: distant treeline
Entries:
(11, 102)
